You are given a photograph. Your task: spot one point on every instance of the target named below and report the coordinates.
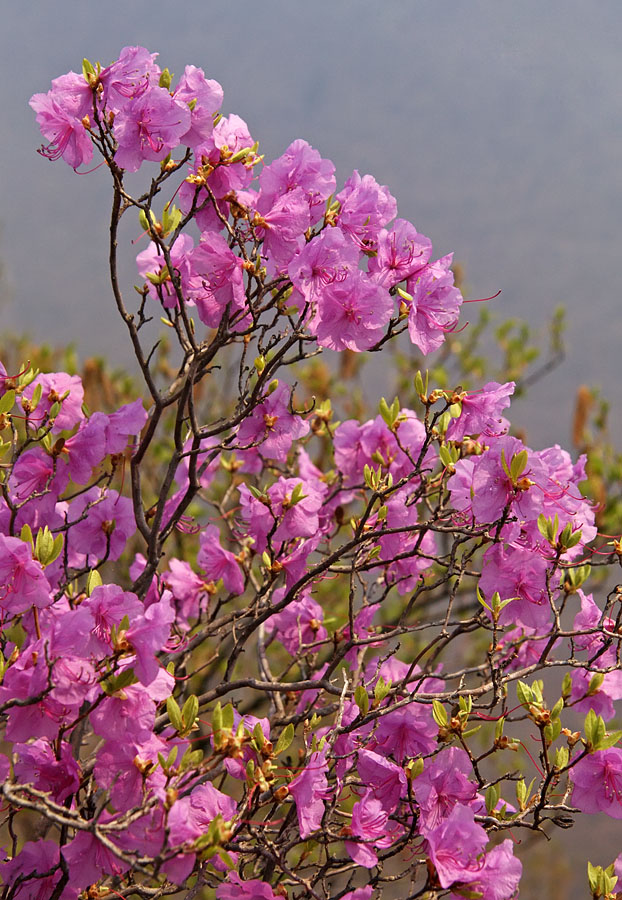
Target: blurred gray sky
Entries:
(497, 125)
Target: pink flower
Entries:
(370, 823)
(148, 127)
(218, 563)
(309, 790)
(407, 731)
(455, 845)
(366, 207)
(129, 76)
(236, 889)
(150, 261)
(215, 279)
(35, 859)
(443, 783)
(22, 582)
(148, 634)
(205, 97)
(108, 525)
(299, 623)
(89, 860)
(498, 876)
(597, 780)
(122, 768)
(401, 252)
(283, 227)
(37, 764)
(54, 387)
(435, 306)
(59, 115)
(351, 314)
(273, 426)
(327, 259)
(481, 411)
(299, 167)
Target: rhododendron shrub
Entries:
(249, 650)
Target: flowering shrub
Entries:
(284, 663)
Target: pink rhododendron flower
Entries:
(481, 411)
(36, 858)
(454, 847)
(219, 563)
(365, 207)
(328, 259)
(54, 387)
(597, 783)
(351, 314)
(435, 305)
(204, 97)
(129, 76)
(22, 582)
(370, 822)
(299, 167)
(309, 790)
(299, 623)
(148, 127)
(236, 889)
(273, 426)
(108, 524)
(401, 251)
(61, 117)
(37, 763)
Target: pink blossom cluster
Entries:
(265, 690)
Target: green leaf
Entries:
(610, 740)
(552, 731)
(16, 634)
(560, 760)
(26, 536)
(381, 690)
(595, 731)
(166, 79)
(361, 698)
(285, 739)
(87, 69)
(217, 719)
(190, 712)
(557, 709)
(385, 412)
(228, 717)
(480, 598)
(44, 546)
(492, 797)
(439, 713)
(115, 683)
(418, 382)
(7, 401)
(93, 580)
(517, 466)
(524, 693)
(224, 856)
(174, 714)
(36, 396)
(172, 756)
(521, 793)
(545, 527)
(191, 759)
(596, 682)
